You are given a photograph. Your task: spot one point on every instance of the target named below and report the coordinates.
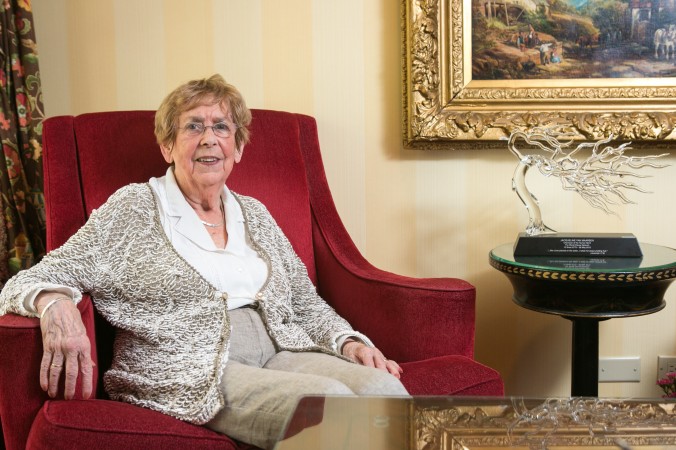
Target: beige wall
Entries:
(428, 214)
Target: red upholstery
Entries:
(425, 324)
(104, 424)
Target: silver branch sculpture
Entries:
(601, 178)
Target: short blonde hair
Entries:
(213, 90)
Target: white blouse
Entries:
(237, 269)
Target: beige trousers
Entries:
(262, 386)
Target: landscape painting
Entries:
(573, 39)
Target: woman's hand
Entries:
(369, 356)
(66, 346)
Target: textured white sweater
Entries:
(172, 325)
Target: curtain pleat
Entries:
(21, 115)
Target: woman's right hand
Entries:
(66, 346)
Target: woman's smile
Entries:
(209, 160)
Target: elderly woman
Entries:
(217, 321)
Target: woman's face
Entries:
(202, 160)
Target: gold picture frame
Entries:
(445, 108)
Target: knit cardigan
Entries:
(172, 326)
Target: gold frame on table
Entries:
(445, 108)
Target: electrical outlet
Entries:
(665, 364)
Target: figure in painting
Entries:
(556, 58)
(545, 50)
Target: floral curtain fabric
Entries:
(22, 224)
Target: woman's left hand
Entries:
(370, 356)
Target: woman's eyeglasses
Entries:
(220, 129)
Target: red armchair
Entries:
(425, 324)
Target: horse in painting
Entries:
(665, 42)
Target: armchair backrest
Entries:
(88, 157)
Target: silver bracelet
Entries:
(51, 302)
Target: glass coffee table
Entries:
(465, 423)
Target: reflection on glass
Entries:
(450, 423)
(579, 263)
(553, 423)
(655, 257)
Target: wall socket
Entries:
(665, 364)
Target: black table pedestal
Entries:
(585, 357)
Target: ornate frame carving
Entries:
(445, 108)
(562, 423)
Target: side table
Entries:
(587, 290)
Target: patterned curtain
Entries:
(22, 226)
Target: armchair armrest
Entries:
(20, 354)
(409, 319)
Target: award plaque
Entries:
(623, 245)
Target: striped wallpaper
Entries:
(428, 214)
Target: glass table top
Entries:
(655, 257)
(466, 423)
